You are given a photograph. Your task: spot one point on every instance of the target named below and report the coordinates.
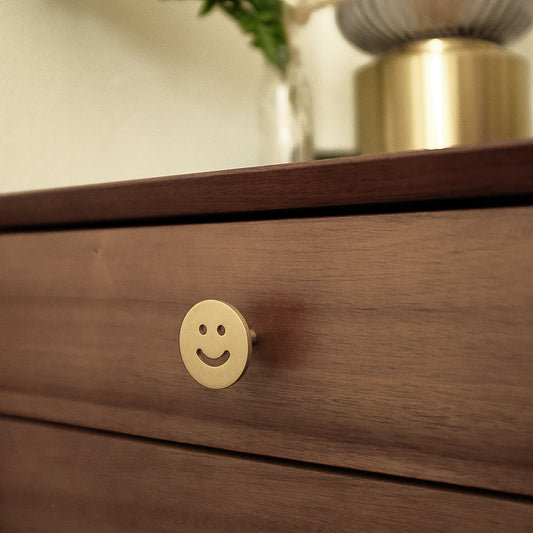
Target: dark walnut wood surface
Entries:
(397, 343)
(63, 480)
(500, 170)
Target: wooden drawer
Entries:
(395, 343)
(85, 481)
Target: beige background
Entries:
(106, 90)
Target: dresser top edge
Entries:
(458, 173)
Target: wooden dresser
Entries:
(391, 387)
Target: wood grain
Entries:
(56, 479)
(484, 171)
(393, 343)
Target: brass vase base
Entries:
(442, 92)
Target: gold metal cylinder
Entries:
(442, 92)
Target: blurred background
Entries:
(108, 90)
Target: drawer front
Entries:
(395, 343)
(58, 479)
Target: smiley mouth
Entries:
(217, 361)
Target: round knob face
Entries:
(215, 343)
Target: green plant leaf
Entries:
(263, 21)
(208, 6)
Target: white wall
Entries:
(105, 90)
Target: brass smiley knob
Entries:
(215, 343)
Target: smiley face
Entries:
(215, 343)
